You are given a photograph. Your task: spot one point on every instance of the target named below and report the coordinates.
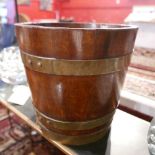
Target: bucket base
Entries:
(74, 133)
(74, 140)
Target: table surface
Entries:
(128, 135)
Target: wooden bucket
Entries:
(75, 73)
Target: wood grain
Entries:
(76, 98)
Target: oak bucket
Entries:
(75, 72)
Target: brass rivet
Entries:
(39, 64)
(30, 61)
(47, 122)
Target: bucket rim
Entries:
(94, 26)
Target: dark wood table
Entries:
(128, 135)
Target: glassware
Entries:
(151, 138)
(11, 66)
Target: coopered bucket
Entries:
(75, 72)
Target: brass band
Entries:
(75, 67)
(74, 140)
(64, 125)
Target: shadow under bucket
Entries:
(75, 72)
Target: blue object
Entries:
(7, 35)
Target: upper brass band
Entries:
(75, 67)
(65, 125)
